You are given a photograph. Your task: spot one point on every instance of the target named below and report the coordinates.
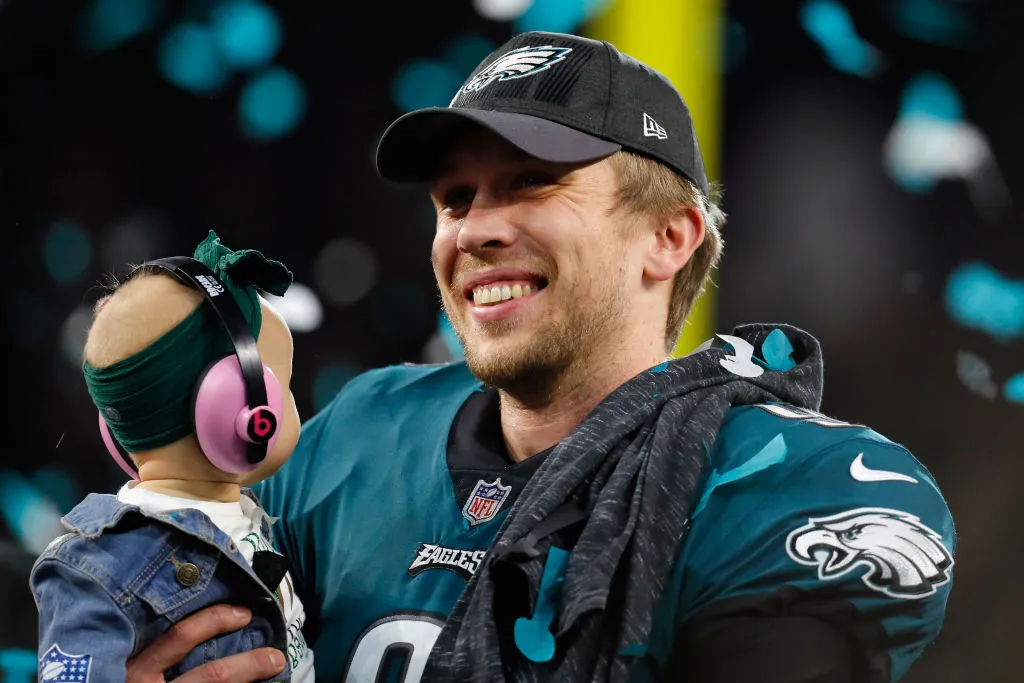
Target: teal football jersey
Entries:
(800, 514)
(370, 522)
(804, 514)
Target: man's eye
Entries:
(458, 197)
(528, 180)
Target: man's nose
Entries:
(486, 226)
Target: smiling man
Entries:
(554, 298)
(570, 503)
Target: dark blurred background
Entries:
(871, 151)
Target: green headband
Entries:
(146, 398)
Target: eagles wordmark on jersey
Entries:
(431, 556)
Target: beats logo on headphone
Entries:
(260, 426)
(237, 405)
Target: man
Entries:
(568, 504)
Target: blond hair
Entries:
(135, 314)
(647, 186)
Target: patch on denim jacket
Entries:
(57, 665)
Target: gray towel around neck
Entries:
(635, 467)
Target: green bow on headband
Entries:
(243, 272)
(146, 398)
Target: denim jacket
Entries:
(122, 577)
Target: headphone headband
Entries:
(196, 274)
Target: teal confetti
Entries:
(1013, 390)
(533, 636)
(773, 453)
(777, 351)
(634, 650)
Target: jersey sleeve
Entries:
(856, 534)
(83, 633)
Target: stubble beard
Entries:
(553, 356)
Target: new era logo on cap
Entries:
(653, 129)
(558, 97)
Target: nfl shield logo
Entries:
(485, 501)
(57, 665)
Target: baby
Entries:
(189, 368)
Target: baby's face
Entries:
(275, 345)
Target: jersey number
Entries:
(397, 641)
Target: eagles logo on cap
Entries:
(525, 61)
(589, 101)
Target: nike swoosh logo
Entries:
(861, 472)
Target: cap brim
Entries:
(411, 148)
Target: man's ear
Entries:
(675, 239)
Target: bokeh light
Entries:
(300, 307)
(938, 22)
(67, 251)
(57, 485)
(34, 518)
(248, 33)
(424, 83)
(139, 236)
(73, 334)
(105, 24)
(976, 374)
(553, 15)
(931, 94)
(1013, 389)
(188, 57)
(931, 141)
(272, 104)
(981, 298)
(19, 665)
(345, 270)
(501, 10)
(921, 150)
(830, 25)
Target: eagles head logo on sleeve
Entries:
(525, 61)
(901, 556)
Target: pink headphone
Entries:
(238, 400)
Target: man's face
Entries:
(532, 262)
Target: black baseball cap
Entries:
(558, 97)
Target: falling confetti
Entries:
(976, 374)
